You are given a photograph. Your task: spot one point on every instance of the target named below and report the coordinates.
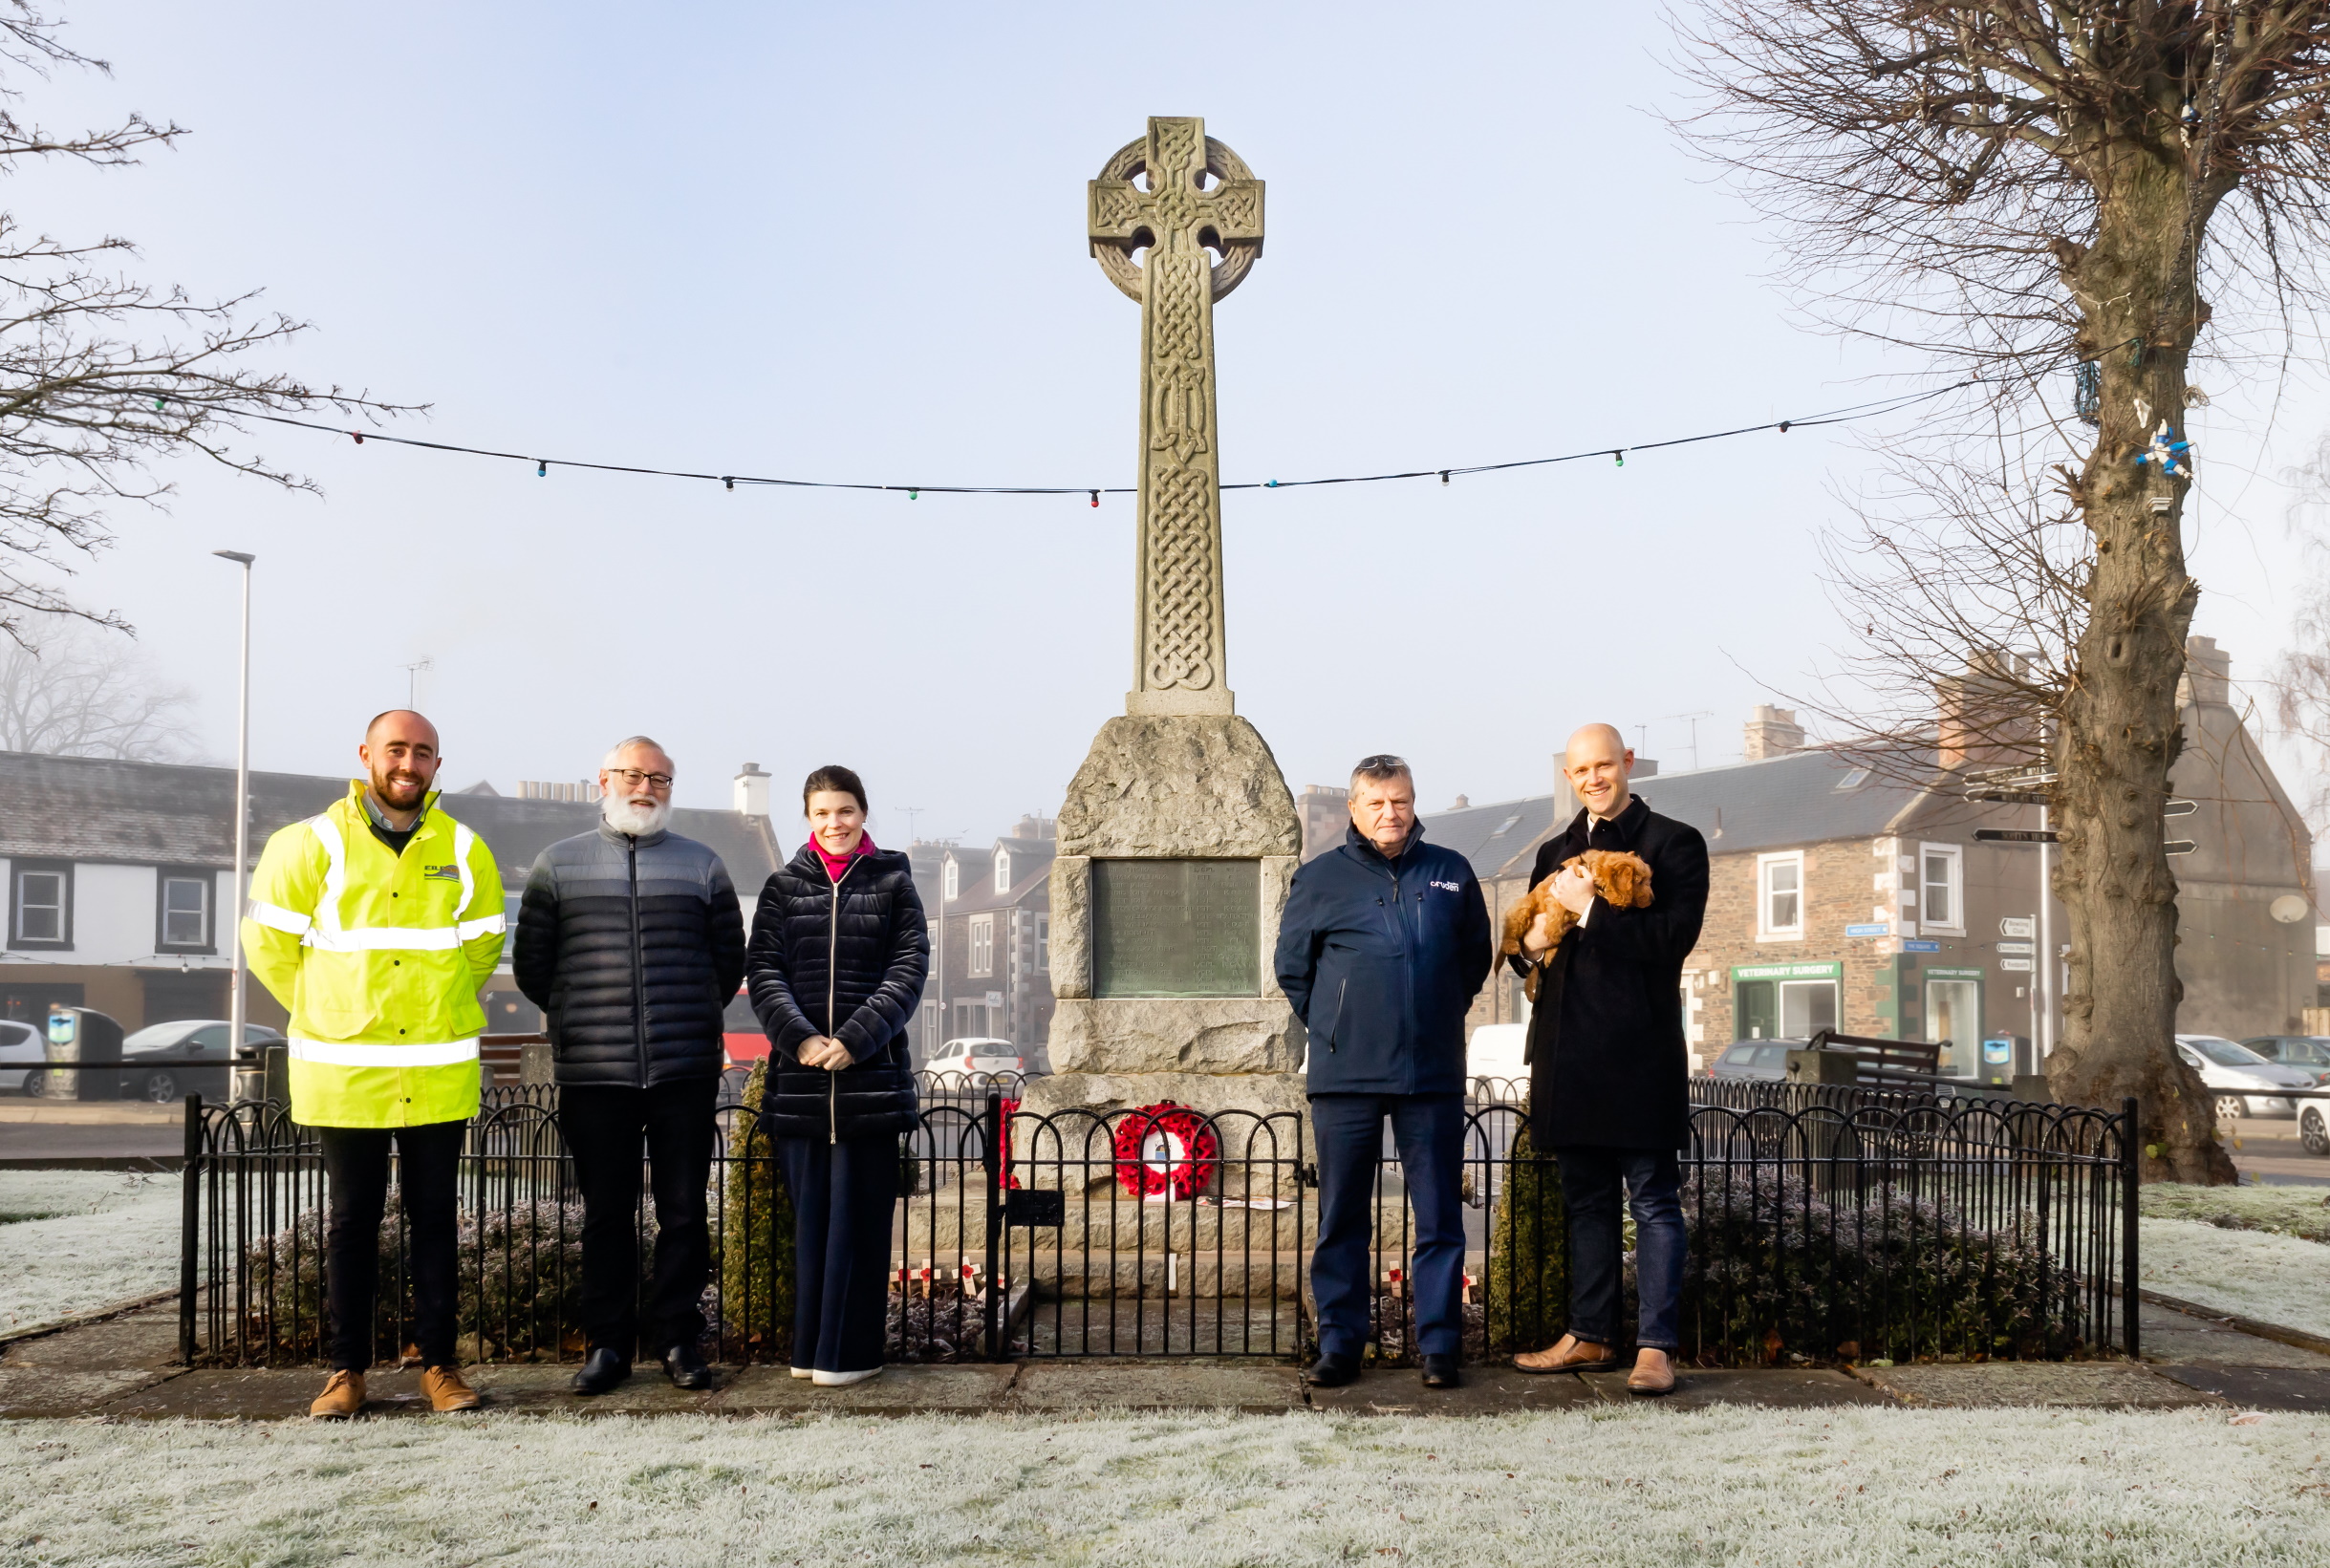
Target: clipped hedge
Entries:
(1528, 1304)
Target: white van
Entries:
(1495, 1051)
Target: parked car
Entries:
(2307, 1053)
(1758, 1061)
(175, 1079)
(978, 1054)
(22, 1051)
(2244, 1082)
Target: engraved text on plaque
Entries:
(1176, 928)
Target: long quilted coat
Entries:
(847, 961)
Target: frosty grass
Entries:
(111, 1237)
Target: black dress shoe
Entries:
(601, 1370)
(1332, 1371)
(685, 1366)
(1440, 1372)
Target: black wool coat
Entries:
(1608, 1066)
(632, 948)
(846, 960)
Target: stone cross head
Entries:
(1177, 215)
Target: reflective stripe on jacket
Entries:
(379, 957)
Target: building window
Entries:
(1953, 1022)
(1940, 887)
(1779, 898)
(1042, 944)
(181, 911)
(982, 944)
(950, 882)
(40, 906)
(1003, 870)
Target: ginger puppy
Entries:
(1622, 879)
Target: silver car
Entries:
(24, 1053)
(2244, 1082)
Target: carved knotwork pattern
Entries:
(1182, 576)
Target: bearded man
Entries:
(631, 943)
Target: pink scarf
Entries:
(836, 864)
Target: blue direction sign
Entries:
(1880, 929)
(1921, 947)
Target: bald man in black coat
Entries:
(1608, 1063)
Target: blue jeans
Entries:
(1429, 1131)
(1591, 1183)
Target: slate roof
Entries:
(161, 813)
(1804, 797)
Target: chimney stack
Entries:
(752, 791)
(1772, 732)
(2208, 677)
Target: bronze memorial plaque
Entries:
(1176, 928)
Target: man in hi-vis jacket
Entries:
(1382, 945)
(376, 924)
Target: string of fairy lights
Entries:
(1878, 408)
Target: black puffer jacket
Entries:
(632, 949)
(845, 961)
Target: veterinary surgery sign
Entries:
(1833, 969)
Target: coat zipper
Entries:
(832, 959)
(639, 979)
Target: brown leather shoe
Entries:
(1569, 1354)
(1653, 1374)
(447, 1390)
(343, 1396)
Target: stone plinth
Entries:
(1165, 787)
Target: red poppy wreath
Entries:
(1165, 1147)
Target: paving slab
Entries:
(144, 1338)
(2078, 1385)
(1258, 1389)
(1785, 1387)
(2260, 1387)
(33, 1391)
(1486, 1390)
(975, 1389)
(257, 1393)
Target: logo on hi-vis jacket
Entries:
(441, 873)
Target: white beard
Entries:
(634, 818)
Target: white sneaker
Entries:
(803, 1372)
(842, 1380)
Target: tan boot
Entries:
(1569, 1354)
(447, 1390)
(343, 1396)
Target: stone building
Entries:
(1859, 898)
(118, 875)
(991, 977)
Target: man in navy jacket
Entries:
(1384, 942)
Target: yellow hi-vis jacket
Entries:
(379, 957)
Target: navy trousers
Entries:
(1428, 1130)
(844, 1194)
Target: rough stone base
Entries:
(1238, 1037)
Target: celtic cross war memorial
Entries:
(1178, 837)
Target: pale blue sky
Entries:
(846, 242)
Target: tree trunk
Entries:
(2120, 727)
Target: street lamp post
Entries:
(238, 1014)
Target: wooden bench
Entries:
(1878, 1064)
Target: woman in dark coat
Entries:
(835, 971)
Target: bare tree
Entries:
(102, 375)
(86, 692)
(2016, 186)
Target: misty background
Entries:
(848, 244)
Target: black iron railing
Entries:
(1827, 1223)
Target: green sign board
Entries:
(1932, 974)
(1833, 969)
